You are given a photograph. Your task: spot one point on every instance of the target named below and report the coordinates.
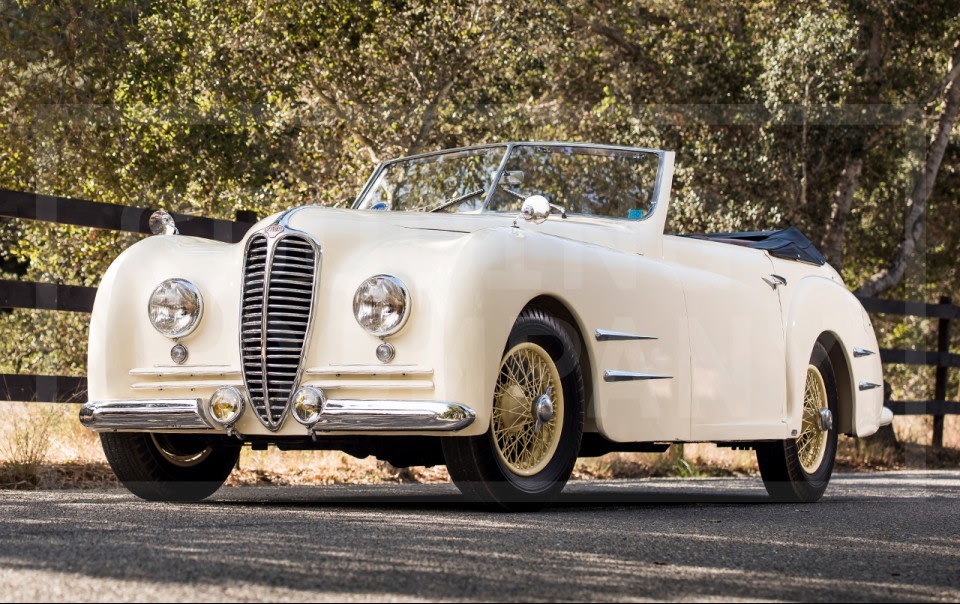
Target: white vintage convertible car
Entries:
(501, 309)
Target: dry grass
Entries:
(26, 443)
(44, 446)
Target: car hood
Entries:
(308, 218)
(344, 225)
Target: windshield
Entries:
(582, 180)
(429, 182)
(579, 178)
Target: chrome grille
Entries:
(279, 276)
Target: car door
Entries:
(737, 348)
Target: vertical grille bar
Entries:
(278, 286)
(251, 322)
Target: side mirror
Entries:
(535, 208)
(513, 177)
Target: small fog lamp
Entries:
(386, 352)
(308, 405)
(226, 405)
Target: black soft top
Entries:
(788, 243)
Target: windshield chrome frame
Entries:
(509, 147)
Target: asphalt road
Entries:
(893, 536)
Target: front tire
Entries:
(799, 469)
(527, 455)
(168, 467)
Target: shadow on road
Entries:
(379, 497)
(869, 539)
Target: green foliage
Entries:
(210, 108)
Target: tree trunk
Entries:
(832, 246)
(913, 223)
(873, 83)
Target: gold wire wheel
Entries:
(527, 409)
(812, 442)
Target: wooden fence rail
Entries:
(78, 212)
(945, 312)
(94, 214)
(75, 298)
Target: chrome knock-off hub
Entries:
(826, 420)
(543, 409)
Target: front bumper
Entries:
(344, 415)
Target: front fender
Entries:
(499, 271)
(822, 309)
(121, 337)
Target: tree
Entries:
(913, 225)
(782, 113)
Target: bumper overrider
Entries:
(336, 415)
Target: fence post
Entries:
(245, 216)
(940, 385)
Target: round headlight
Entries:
(381, 305)
(175, 308)
(226, 405)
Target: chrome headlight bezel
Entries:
(195, 318)
(390, 282)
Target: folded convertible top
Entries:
(787, 243)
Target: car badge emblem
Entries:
(274, 229)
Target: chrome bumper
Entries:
(392, 416)
(145, 416)
(338, 416)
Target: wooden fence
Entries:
(945, 312)
(72, 298)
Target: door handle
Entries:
(774, 281)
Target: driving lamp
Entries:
(381, 305)
(175, 308)
(226, 405)
(308, 405)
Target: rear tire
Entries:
(168, 467)
(521, 463)
(799, 469)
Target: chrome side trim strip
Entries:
(869, 385)
(160, 414)
(606, 335)
(185, 384)
(370, 384)
(612, 375)
(350, 415)
(372, 370)
(862, 352)
(184, 370)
